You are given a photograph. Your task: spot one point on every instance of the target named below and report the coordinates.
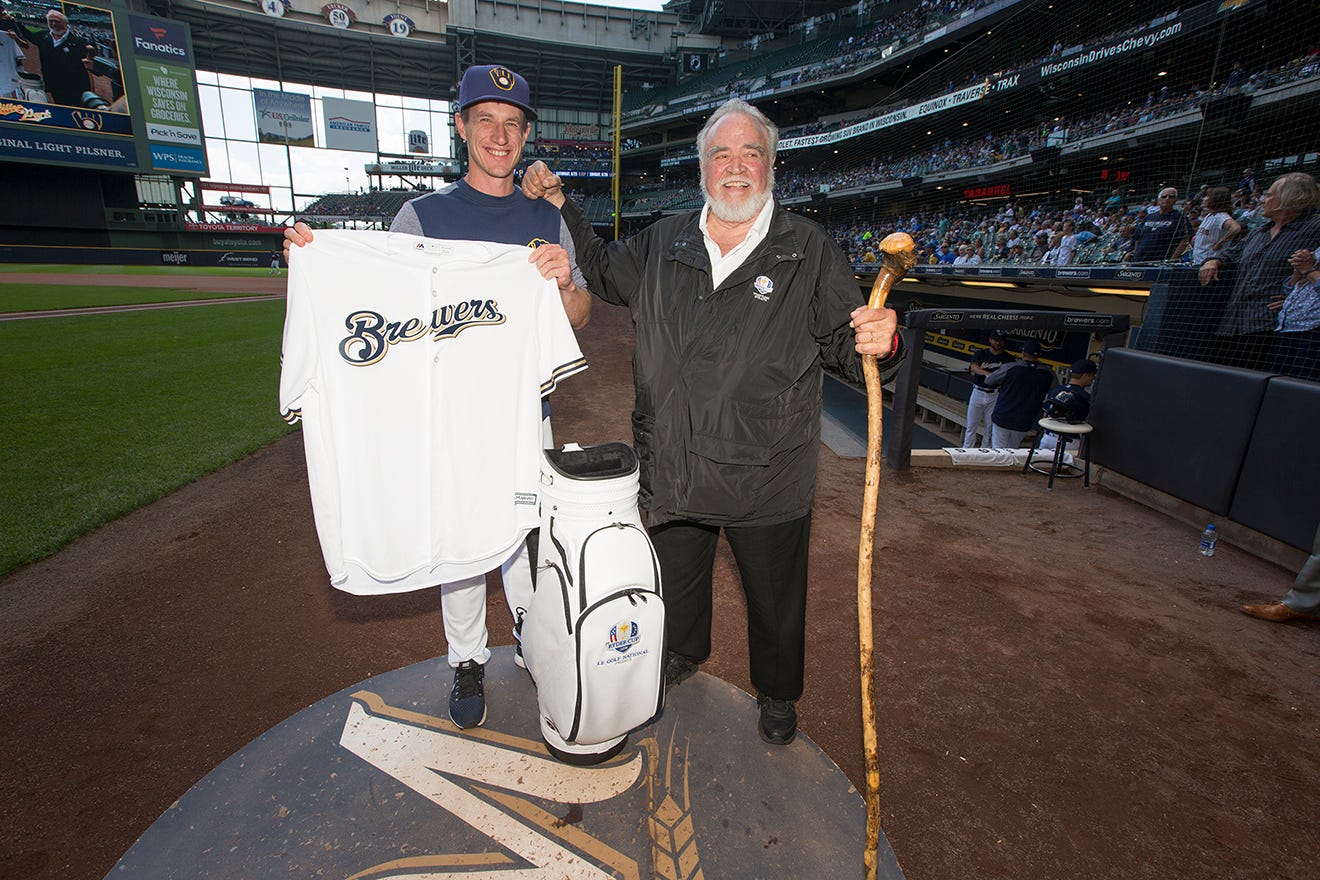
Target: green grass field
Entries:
(106, 413)
(39, 297)
(57, 269)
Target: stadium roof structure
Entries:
(245, 42)
(742, 18)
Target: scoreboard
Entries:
(139, 110)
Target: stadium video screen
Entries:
(96, 86)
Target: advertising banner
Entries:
(173, 157)
(169, 102)
(64, 148)
(283, 118)
(167, 94)
(925, 108)
(349, 125)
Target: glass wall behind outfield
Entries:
(298, 175)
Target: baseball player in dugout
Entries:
(494, 118)
(737, 307)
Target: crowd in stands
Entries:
(811, 62)
(373, 205)
(982, 150)
(1100, 232)
(565, 155)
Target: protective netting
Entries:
(1045, 134)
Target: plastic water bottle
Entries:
(1208, 538)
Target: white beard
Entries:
(739, 212)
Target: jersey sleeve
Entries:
(560, 356)
(407, 220)
(298, 349)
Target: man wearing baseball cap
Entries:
(494, 117)
(1022, 386)
(1072, 402)
(982, 400)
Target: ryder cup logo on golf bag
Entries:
(594, 636)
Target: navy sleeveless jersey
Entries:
(459, 212)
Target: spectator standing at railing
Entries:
(1248, 182)
(1067, 244)
(1163, 233)
(1296, 350)
(1217, 228)
(1262, 264)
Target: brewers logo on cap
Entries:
(503, 78)
(494, 82)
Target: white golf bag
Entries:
(594, 636)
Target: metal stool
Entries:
(1065, 432)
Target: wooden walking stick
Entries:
(898, 254)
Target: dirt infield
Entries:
(1065, 687)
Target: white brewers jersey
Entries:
(417, 367)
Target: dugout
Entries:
(1202, 441)
(1018, 323)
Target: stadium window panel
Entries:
(217, 158)
(390, 137)
(274, 165)
(240, 118)
(244, 162)
(231, 81)
(213, 117)
(359, 96)
(206, 77)
(281, 198)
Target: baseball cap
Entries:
(998, 334)
(1031, 346)
(494, 82)
(1082, 367)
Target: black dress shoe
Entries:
(678, 669)
(778, 724)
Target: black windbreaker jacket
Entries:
(727, 417)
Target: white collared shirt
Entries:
(722, 265)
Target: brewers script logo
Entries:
(492, 780)
(503, 78)
(372, 335)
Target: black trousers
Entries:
(772, 564)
